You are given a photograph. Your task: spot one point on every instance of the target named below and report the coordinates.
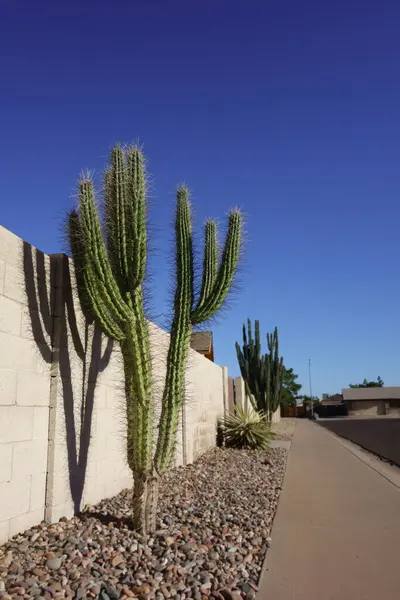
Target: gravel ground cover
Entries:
(283, 437)
(284, 430)
(215, 518)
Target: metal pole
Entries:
(309, 377)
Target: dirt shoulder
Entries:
(284, 429)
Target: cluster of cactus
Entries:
(262, 373)
(110, 267)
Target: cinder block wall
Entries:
(24, 399)
(55, 456)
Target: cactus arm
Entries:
(137, 216)
(226, 271)
(268, 388)
(210, 262)
(257, 339)
(275, 366)
(96, 253)
(89, 295)
(243, 364)
(118, 174)
(249, 330)
(125, 202)
(106, 321)
(116, 207)
(76, 243)
(173, 395)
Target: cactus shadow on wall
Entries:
(54, 327)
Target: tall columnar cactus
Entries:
(274, 370)
(253, 366)
(110, 272)
(262, 373)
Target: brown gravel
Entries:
(215, 518)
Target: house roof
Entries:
(202, 341)
(334, 400)
(377, 393)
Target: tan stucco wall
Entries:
(373, 393)
(48, 365)
(366, 407)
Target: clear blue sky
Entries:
(289, 109)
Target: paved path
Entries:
(336, 535)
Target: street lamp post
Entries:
(311, 398)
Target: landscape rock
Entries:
(53, 563)
(214, 524)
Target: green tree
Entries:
(290, 387)
(307, 400)
(368, 384)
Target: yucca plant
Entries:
(246, 428)
(110, 258)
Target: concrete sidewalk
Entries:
(336, 535)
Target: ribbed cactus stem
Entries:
(180, 335)
(96, 254)
(216, 283)
(226, 272)
(210, 261)
(137, 252)
(275, 369)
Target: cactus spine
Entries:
(262, 373)
(110, 274)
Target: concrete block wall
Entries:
(55, 458)
(205, 392)
(24, 400)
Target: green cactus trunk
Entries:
(139, 418)
(110, 277)
(253, 367)
(216, 283)
(275, 366)
(172, 399)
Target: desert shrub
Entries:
(246, 428)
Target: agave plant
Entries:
(247, 428)
(110, 258)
